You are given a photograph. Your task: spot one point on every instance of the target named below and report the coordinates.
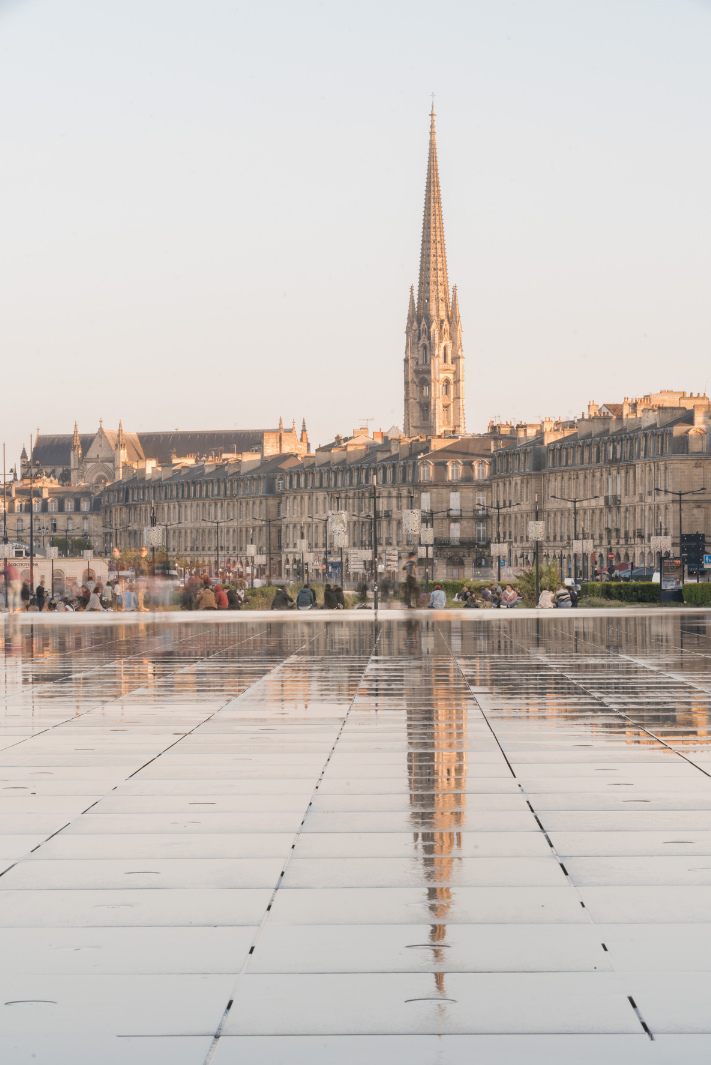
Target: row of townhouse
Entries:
(611, 477)
(273, 507)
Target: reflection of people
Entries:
(41, 593)
(14, 586)
(130, 599)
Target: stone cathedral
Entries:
(434, 363)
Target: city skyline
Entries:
(195, 241)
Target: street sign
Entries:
(52, 552)
(611, 556)
(672, 577)
(536, 530)
(250, 549)
(499, 550)
(88, 555)
(426, 536)
(660, 543)
(707, 561)
(153, 535)
(302, 546)
(411, 521)
(338, 529)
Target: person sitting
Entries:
(509, 598)
(546, 600)
(206, 599)
(306, 598)
(340, 600)
(330, 602)
(52, 605)
(282, 600)
(472, 603)
(94, 601)
(438, 600)
(562, 597)
(487, 596)
(221, 597)
(234, 599)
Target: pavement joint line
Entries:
(265, 916)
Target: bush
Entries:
(548, 577)
(699, 594)
(625, 591)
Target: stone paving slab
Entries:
(439, 837)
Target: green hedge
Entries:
(699, 594)
(626, 591)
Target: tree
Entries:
(548, 577)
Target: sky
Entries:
(211, 210)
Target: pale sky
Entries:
(211, 210)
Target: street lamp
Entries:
(498, 507)
(690, 492)
(575, 502)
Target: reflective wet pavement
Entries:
(414, 839)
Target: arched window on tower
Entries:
(424, 389)
(445, 354)
(445, 388)
(423, 355)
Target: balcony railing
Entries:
(612, 501)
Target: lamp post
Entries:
(375, 542)
(217, 523)
(575, 526)
(498, 507)
(690, 492)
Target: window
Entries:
(53, 525)
(85, 525)
(445, 358)
(20, 526)
(455, 471)
(70, 525)
(424, 473)
(36, 505)
(455, 501)
(425, 501)
(454, 529)
(445, 388)
(69, 504)
(85, 505)
(481, 471)
(424, 388)
(52, 506)
(481, 532)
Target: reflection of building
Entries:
(437, 771)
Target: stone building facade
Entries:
(620, 469)
(434, 360)
(58, 510)
(275, 503)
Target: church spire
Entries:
(433, 287)
(76, 442)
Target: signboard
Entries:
(52, 552)
(707, 561)
(422, 552)
(411, 521)
(153, 535)
(338, 529)
(302, 546)
(536, 530)
(391, 559)
(250, 549)
(426, 536)
(672, 577)
(611, 556)
(88, 554)
(7, 551)
(582, 547)
(660, 543)
(499, 550)
(261, 560)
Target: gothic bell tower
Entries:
(434, 362)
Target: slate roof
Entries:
(56, 450)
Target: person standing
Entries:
(14, 587)
(41, 593)
(25, 595)
(221, 597)
(410, 571)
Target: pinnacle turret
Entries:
(76, 442)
